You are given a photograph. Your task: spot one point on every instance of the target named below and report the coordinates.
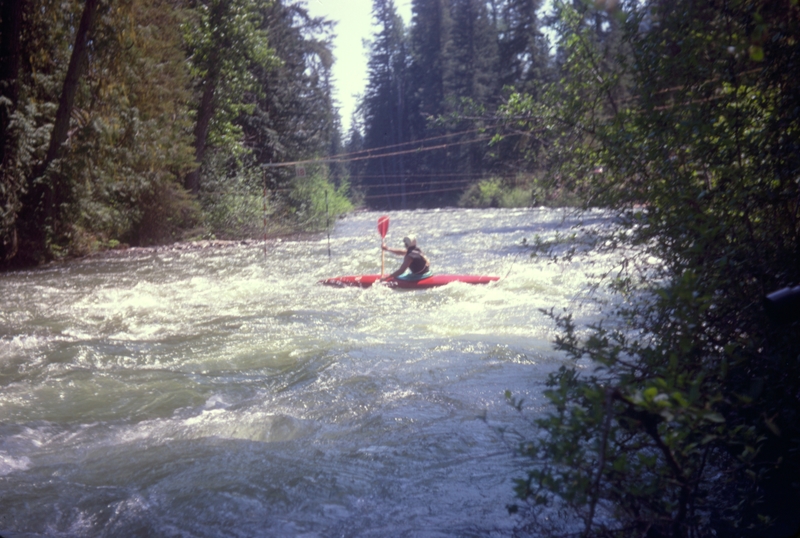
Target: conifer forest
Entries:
(142, 122)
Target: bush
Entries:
(524, 192)
(232, 199)
(314, 202)
(690, 416)
(493, 193)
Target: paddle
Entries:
(383, 227)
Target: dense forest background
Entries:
(145, 121)
(432, 101)
(140, 122)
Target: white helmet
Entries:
(410, 241)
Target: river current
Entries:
(223, 392)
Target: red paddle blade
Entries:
(383, 225)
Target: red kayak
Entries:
(365, 281)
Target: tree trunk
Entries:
(204, 115)
(45, 195)
(77, 64)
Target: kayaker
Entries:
(414, 261)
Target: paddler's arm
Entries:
(398, 251)
(406, 264)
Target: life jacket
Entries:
(419, 263)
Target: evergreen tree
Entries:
(461, 55)
(430, 30)
(471, 76)
(355, 157)
(293, 118)
(428, 36)
(524, 65)
(386, 111)
(471, 69)
(522, 51)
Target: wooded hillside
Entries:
(136, 121)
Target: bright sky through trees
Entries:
(353, 25)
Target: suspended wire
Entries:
(376, 153)
(468, 179)
(382, 185)
(428, 139)
(422, 174)
(415, 150)
(461, 182)
(382, 155)
(412, 193)
(419, 183)
(381, 152)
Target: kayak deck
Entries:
(365, 281)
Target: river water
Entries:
(223, 392)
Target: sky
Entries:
(353, 20)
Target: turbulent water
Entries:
(223, 392)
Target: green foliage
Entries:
(483, 194)
(492, 193)
(115, 179)
(293, 117)
(471, 68)
(289, 117)
(128, 158)
(235, 27)
(315, 203)
(227, 43)
(526, 191)
(684, 119)
(232, 198)
(164, 80)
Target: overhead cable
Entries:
(371, 153)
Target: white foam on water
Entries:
(219, 392)
(9, 464)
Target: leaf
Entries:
(707, 439)
(756, 53)
(680, 399)
(772, 426)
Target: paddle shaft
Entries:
(383, 227)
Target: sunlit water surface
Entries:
(223, 392)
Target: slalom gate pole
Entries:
(264, 200)
(328, 224)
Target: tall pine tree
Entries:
(386, 110)
(471, 76)
(430, 30)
